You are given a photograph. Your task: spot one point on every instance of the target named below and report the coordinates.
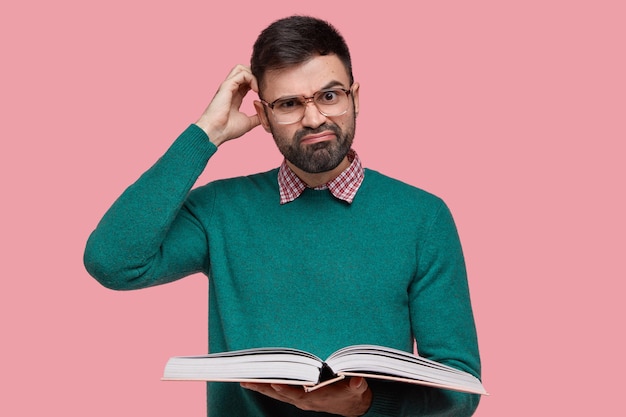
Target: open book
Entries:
(296, 367)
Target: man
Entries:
(316, 255)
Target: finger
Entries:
(243, 75)
(288, 394)
(254, 121)
(288, 391)
(246, 73)
(238, 69)
(358, 384)
(239, 86)
(278, 392)
(248, 385)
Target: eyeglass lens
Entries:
(332, 102)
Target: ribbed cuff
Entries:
(188, 155)
(196, 141)
(387, 399)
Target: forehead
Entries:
(306, 78)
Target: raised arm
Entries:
(148, 237)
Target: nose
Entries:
(312, 116)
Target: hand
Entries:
(349, 398)
(222, 120)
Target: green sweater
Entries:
(315, 274)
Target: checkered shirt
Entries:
(343, 187)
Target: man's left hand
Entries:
(349, 398)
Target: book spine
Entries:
(326, 373)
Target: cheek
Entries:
(282, 134)
(345, 123)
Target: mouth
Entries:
(317, 138)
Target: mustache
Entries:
(320, 129)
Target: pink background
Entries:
(513, 112)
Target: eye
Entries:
(287, 104)
(328, 96)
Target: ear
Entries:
(355, 97)
(261, 111)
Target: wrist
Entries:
(208, 127)
(211, 133)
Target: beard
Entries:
(317, 157)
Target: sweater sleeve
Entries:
(392, 399)
(148, 237)
(443, 325)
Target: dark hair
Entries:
(294, 40)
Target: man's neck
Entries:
(317, 179)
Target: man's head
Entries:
(302, 65)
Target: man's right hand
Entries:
(222, 120)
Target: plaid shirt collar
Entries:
(343, 187)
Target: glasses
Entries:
(331, 102)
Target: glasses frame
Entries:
(306, 100)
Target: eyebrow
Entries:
(330, 84)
